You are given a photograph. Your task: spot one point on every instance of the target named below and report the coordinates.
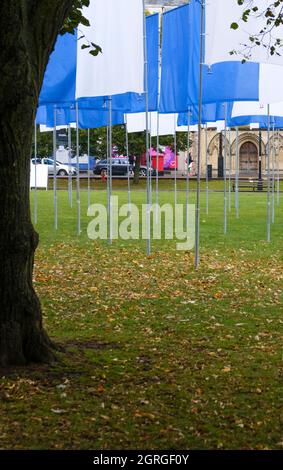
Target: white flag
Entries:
(117, 27)
(254, 108)
(136, 122)
(221, 39)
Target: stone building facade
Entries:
(249, 151)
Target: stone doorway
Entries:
(249, 158)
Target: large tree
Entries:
(28, 31)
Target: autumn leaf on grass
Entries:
(218, 295)
(58, 411)
(105, 417)
(240, 423)
(140, 414)
(93, 289)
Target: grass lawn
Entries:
(158, 355)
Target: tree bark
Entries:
(28, 30)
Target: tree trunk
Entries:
(137, 168)
(28, 30)
(22, 337)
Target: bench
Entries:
(252, 185)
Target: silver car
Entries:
(61, 170)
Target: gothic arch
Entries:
(278, 141)
(248, 137)
(214, 144)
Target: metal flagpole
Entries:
(158, 120)
(88, 168)
(237, 174)
(176, 159)
(150, 156)
(230, 170)
(225, 168)
(78, 171)
(260, 184)
(147, 133)
(278, 168)
(35, 174)
(206, 165)
(55, 171)
(157, 170)
(188, 174)
(70, 177)
(197, 245)
(128, 160)
(273, 172)
(107, 173)
(109, 176)
(268, 177)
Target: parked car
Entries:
(62, 170)
(120, 167)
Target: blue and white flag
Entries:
(245, 113)
(175, 60)
(223, 43)
(210, 113)
(73, 73)
(259, 122)
(61, 77)
(225, 77)
(59, 85)
(222, 82)
(88, 118)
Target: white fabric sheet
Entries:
(254, 108)
(135, 122)
(219, 125)
(167, 124)
(41, 176)
(270, 83)
(185, 128)
(117, 27)
(44, 128)
(221, 39)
